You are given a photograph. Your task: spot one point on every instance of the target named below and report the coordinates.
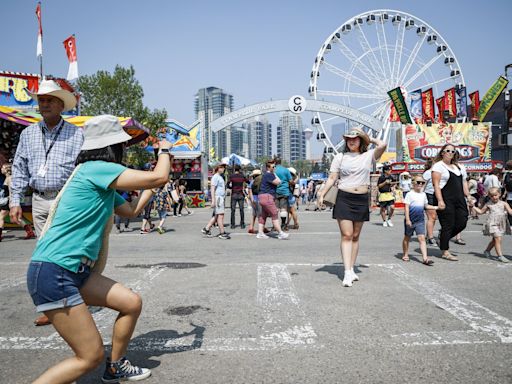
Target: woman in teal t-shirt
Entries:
(61, 277)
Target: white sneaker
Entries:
(488, 254)
(354, 276)
(261, 236)
(385, 223)
(283, 236)
(390, 224)
(347, 279)
(502, 258)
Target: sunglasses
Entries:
(419, 182)
(449, 151)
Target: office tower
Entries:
(211, 103)
(239, 141)
(291, 140)
(259, 136)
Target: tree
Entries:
(120, 94)
(303, 167)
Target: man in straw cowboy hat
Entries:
(45, 156)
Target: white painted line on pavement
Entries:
(103, 319)
(12, 282)
(441, 338)
(487, 323)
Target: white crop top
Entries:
(353, 168)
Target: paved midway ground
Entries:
(270, 311)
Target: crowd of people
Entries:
(80, 184)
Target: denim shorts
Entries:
(417, 227)
(53, 287)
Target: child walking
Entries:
(496, 224)
(415, 204)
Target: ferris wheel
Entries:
(371, 54)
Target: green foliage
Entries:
(303, 167)
(120, 94)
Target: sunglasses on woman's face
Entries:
(419, 182)
(449, 151)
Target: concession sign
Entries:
(473, 142)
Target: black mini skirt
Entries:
(351, 206)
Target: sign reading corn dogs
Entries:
(473, 142)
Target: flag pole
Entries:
(40, 39)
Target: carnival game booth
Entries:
(13, 121)
(188, 162)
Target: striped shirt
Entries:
(30, 157)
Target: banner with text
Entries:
(427, 101)
(401, 107)
(491, 96)
(473, 142)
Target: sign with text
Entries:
(473, 142)
(14, 90)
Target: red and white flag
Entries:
(70, 45)
(40, 33)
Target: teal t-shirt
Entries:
(77, 227)
(285, 176)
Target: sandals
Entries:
(406, 258)
(428, 262)
(460, 242)
(449, 257)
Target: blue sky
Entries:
(255, 50)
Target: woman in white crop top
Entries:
(351, 169)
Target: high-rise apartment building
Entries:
(239, 141)
(259, 137)
(211, 103)
(291, 141)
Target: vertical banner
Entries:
(440, 109)
(401, 107)
(449, 102)
(70, 46)
(474, 100)
(416, 107)
(40, 31)
(393, 115)
(491, 96)
(462, 103)
(427, 102)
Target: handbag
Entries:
(331, 195)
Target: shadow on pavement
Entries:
(338, 270)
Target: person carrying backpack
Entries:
(254, 190)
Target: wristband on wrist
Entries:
(164, 150)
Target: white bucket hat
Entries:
(102, 131)
(292, 170)
(51, 88)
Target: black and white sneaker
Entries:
(224, 236)
(206, 232)
(123, 370)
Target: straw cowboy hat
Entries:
(255, 173)
(357, 132)
(102, 131)
(51, 88)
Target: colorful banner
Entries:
(462, 103)
(393, 115)
(491, 96)
(474, 100)
(450, 103)
(40, 31)
(427, 102)
(401, 107)
(440, 109)
(473, 142)
(70, 46)
(416, 107)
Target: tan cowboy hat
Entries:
(357, 132)
(256, 172)
(102, 131)
(51, 88)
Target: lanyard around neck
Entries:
(55, 137)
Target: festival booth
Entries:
(188, 163)
(423, 141)
(13, 121)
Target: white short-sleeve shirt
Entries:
(444, 170)
(429, 187)
(353, 168)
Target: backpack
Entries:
(256, 185)
(508, 182)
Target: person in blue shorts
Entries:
(415, 205)
(64, 275)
